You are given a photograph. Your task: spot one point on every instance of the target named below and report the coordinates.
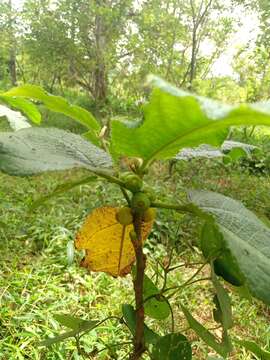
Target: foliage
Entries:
(231, 247)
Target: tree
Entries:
(8, 28)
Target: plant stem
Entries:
(138, 340)
(181, 208)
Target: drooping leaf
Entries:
(25, 107)
(245, 235)
(211, 241)
(223, 303)
(129, 315)
(60, 189)
(57, 104)
(255, 349)
(156, 308)
(15, 119)
(214, 248)
(35, 150)
(204, 334)
(171, 347)
(175, 119)
(107, 242)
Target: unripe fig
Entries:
(132, 181)
(140, 202)
(149, 191)
(149, 215)
(124, 216)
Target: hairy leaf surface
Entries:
(35, 150)
(208, 151)
(247, 238)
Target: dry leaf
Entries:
(107, 242)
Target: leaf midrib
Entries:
(232, 120)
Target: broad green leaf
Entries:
(60, 189)
(24, 106)
(255, 349)
(204, 334)
(129, 315)
(223, 303)
(171, 347)
(75, 323)
(246, 237)
(56, 104)
(157, 309)
(15, 119)
(35, 150)
(175, 119)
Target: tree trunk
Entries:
(100, 73)
(12, 47)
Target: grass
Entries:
(37, 282)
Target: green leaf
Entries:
(204, 334)
(60, 189)
(35, 150)
(172, 347)
(58, 338)
(56, 104)
(214, 248)
(24, 106)
(77, 325)
(156, 308)
(246, 237)
(223, 303)
(255, 349)
(129, 315)
(175, 119)
(237, 153)
(211, 240)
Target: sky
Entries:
(246, 33)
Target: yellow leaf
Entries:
(107, 243)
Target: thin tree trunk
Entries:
(12, 47)
(100, 73)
